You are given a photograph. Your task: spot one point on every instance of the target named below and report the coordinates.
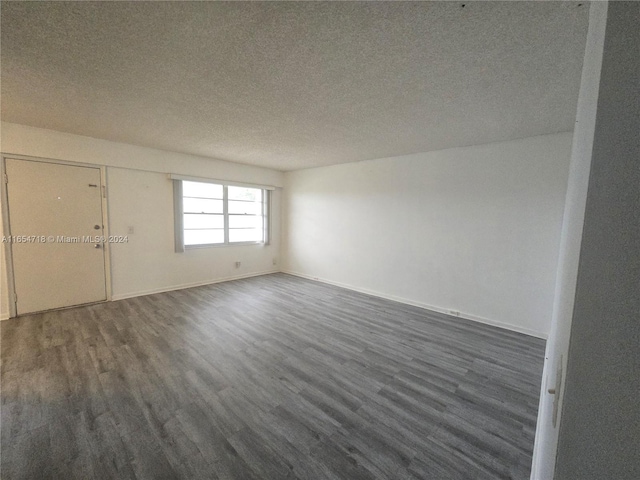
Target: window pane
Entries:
(203, 190)
(195, 220)
(245, 235)
(245, 221)
(245, 207)
(202, 237)
(243, 193)
(199, 205)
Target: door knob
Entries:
(97, 227)
(97, 245)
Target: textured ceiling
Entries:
(294, 85)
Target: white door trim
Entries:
(6, 222)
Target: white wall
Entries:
(140, 195)
(473, 229)
(148, 263)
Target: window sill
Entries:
(220, 245)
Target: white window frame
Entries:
(179, 212)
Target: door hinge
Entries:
(104, 191)
(6, 178)
(15, 298)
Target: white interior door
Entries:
(55, 215)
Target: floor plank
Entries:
(270, 377)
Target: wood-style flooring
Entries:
(271, 377)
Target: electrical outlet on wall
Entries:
(275, 261)
(238, 264)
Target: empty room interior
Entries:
(320, 240)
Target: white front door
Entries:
(55, 215)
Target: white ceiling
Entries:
(294, 85)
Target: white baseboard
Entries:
(188, 285)
(466, 316)
(5, 316)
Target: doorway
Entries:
(56, 233)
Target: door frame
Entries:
(6, 223)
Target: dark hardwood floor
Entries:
(272, 377)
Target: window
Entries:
(218, 214)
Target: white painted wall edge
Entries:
(557, 348)
(190, 285)
(466, 316)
